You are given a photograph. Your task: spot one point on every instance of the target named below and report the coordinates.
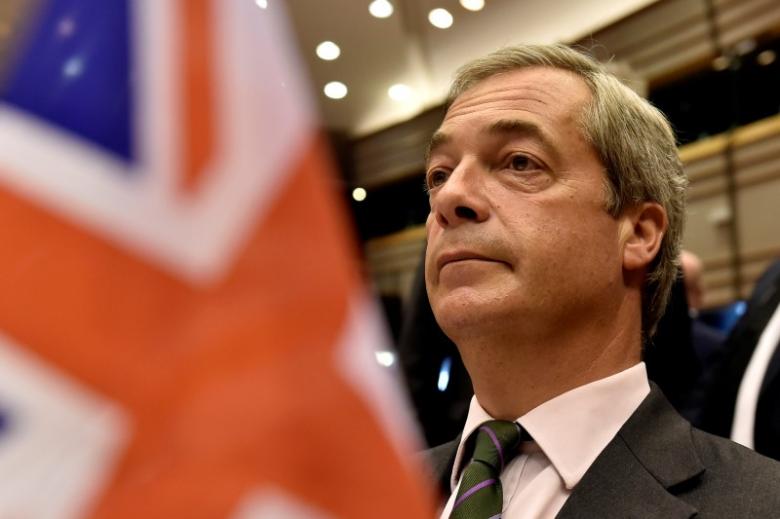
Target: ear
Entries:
(643, 228)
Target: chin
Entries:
(462, 318)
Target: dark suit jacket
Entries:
(659, 466)
(719, 408)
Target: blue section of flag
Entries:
(3, 422)
(74, 71)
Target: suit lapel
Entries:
(637, 473)
(440, 459)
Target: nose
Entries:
(461, 199)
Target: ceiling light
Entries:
(335, 90)
(440, 18)
(380, 8)
(359, 194)
(721, 63)
(473, 5)
(328, 51)
(766, 57)
(399, 92)
(262, 4)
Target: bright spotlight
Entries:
(328, 51)
(380, 8)
(335, 90)
(440, 18)
(473, 5)
(359, 194)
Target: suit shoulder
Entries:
(439, 460)
(440, 454)
(721, 452)
(737, 478)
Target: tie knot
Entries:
(496, 443)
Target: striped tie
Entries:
(479, 495)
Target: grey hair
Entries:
(634, 141)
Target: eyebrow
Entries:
(438, 140)
(500, 127)
(526, 129)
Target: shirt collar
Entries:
(573, 428)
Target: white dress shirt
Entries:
(569, 433)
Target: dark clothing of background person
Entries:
(721, 399)
(670, 357)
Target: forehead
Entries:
(547, 95)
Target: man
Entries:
(744, 401)
(557, 200)
(707, 341)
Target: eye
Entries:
(522, 163)
(436, 178)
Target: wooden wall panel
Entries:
(740, 19)
(395, 153)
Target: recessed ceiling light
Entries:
(766, 57)
(335, 90)
(440, 18)
(721, 63)
(399, 92)
(380, 8)
(359, 194)
(262, 4)
(328, 51)
(473, 5)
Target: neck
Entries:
(516, 372)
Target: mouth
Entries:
(458, 256)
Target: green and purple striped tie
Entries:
(479, 494)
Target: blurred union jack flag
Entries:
(183, 331)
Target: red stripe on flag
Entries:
(197, 95)
(229, 387)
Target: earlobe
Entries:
(644, 228)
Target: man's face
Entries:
(518, 234)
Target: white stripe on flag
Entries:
(365, 334)
(273, 503)
(61, 441)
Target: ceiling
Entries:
(406, 48)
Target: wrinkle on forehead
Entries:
(533, 87)
(480, 105)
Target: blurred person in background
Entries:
(706, 339)
(557, 200)
(691, 266)
(744, 398)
